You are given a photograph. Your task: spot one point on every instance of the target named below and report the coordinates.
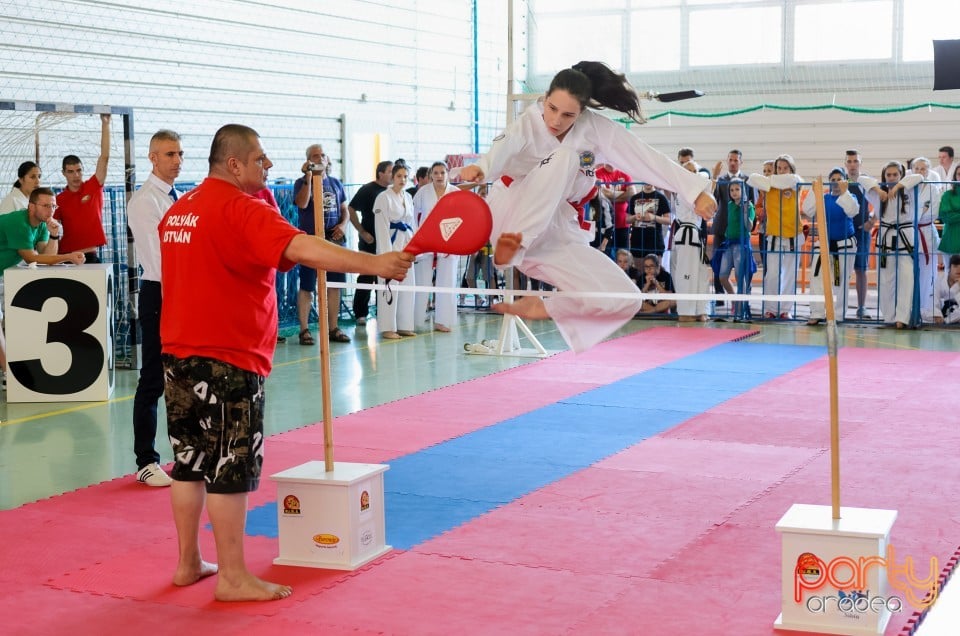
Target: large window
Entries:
(643, 36)
(832, 31)
(925, 21)
(653, 40)
(565, 40)
(724, 37)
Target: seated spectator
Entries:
(656, 281)
(947, 293)
(31, 235)
(28, 179)
(625, 261)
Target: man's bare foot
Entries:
(507, 245)
(188, 575)
(529, 307)
(250, 588)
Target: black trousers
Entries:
(150, 386)
(361, 297)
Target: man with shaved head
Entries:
(220, 250)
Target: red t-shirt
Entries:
(81, 214)
(220, 250)
(619, 207)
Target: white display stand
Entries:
(59, 330)
(331, 519)
(811, 540)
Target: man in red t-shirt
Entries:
(220, 249)
(613, 186)
(80, 205)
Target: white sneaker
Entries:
(153, 475)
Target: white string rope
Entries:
(477, 291)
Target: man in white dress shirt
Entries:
(144, 212)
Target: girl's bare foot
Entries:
(507, 245)
(529, 307)
(250, 588)
(188, 575)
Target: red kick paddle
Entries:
(460, 223)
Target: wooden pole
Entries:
(324, 331)
(826, 275)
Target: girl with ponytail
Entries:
(895, 243)
(28, 180)
(542, 169)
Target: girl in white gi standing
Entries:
(928, 195)
(394, 219)
(895, 242)
(445, 305)
(690, 275)
(839, 209)
(543, 169)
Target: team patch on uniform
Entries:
(587, 159)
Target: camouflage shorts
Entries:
(215, 423)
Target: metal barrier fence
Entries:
(915, 224)
(785, 259)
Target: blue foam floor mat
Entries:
(441, 487)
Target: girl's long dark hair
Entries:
(23, 171)
(594, 84)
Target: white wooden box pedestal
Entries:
(331, 519)
(812, 539)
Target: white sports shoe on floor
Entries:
(153, 475)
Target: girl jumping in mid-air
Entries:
(543, 169)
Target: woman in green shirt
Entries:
(950, 217)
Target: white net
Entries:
(45, 137)
(44, 134)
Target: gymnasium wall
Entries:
(391, 78)
(813, 57)
(375, 79)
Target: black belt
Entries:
(688, 234)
